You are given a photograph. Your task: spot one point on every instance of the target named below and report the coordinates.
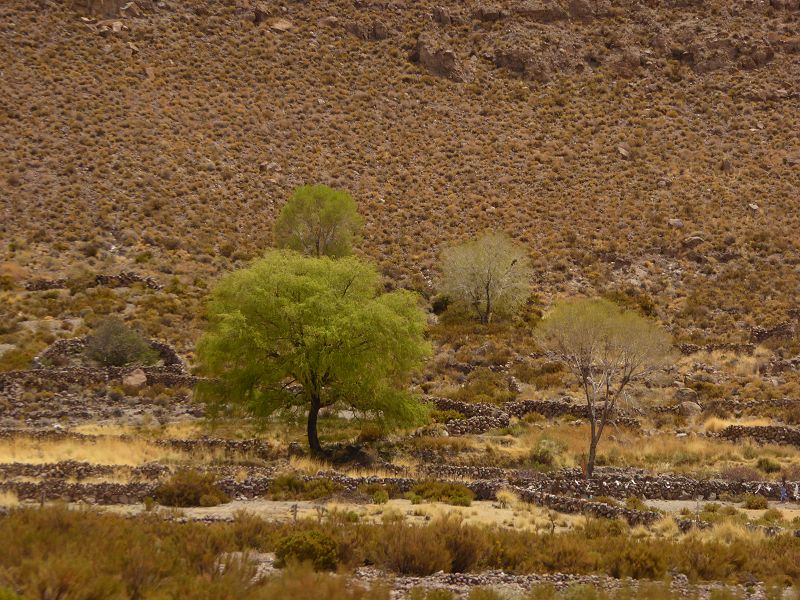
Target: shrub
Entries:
(635, 503)
(291, 487)
(301, 581)
(768, 465)
(378, 492)
(190, 488)
(484, 386)
(443, 416)
(411, 550)
(754, 502)
(307, 546)
(114, 344)
(440, 491)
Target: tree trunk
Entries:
(592, 453)
(313, 440)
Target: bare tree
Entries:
(487, 276)
(607, 349)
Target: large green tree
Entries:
(294, 331)
(607, 349)
(318, 221)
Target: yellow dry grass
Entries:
(102, 450)
(8, 498)
(717, 424)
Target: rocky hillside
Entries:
(645, 147)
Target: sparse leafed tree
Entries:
(293, 331)
(318, 221)
(606, 349)
(490, 275)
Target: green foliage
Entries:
(754, 501)
(484, 386)
(318, 221)
(114, 344)
(443, 416)
(487, 276)
(442, 491)
(190, 488)
(322, 324)
(307, 546)
(288, 486)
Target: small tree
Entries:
(318, 221)
(114, 344)
(487, 276)
(293, 331)
(607, 350)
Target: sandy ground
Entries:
(790, 510)
(521, 516)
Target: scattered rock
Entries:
(754, 207)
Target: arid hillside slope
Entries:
(650, 147)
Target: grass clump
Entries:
(754, 502)
(190, 488)
(307, 546)
(455, 494)
(291, 487)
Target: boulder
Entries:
(676, 223)
(280, 25)
(439, 59)
(685, 394)
(374, 31)
(444, 16)
(489, 13)
(541, 11)
(136, 378)
(690, 409)
(581, 10)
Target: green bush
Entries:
(190, 488)
(484, 386)
(443, 416)
(754, 501)
(114, 344)
(291, 487)
(307, 546)
(442, 491)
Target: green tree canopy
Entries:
(486, 276)
(295, 331)
(318, 221)
(607, 349)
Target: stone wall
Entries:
(768, 434)
(483, 417)
(122, 279)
